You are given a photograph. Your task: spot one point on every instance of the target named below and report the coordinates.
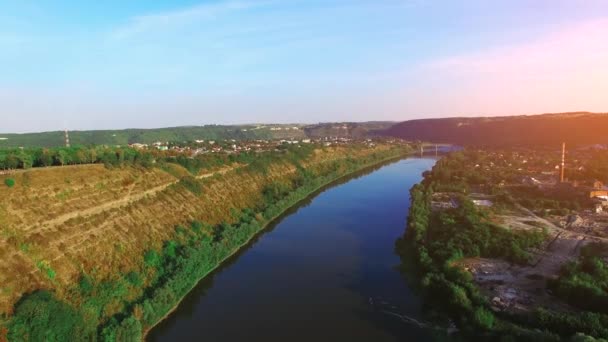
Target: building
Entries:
(601, 194)
(598, 185)
(139, 146)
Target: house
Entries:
(531, 181)
(598, 209)
(598, 185)
(482, 202)
(138, 146)
(601, 194)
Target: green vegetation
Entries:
(191, 133)
(41, 157)
(191, 184)
(584, 283)
(44, 267)
(595, 168)
(9, 182)
(40, 317)
(129, 136)
(108, 310)
(435, 241)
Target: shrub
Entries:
(9, 182)
(484, 318)
(191, 184)
(41, 317)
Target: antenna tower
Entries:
(67, 138)
(563, 161)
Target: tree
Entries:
(11, 161)
(483, 318)
(62, 157)
(41, 317)
(26, 160)
(46, 159)
(129, 330)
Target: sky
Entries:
(148, 63)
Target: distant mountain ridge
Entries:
(575, 128)
(191, 133)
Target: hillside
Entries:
(345, 129)
(114, 246)
(191, 133)
(546, 129)
(129, 136)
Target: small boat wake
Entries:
(386, 308)
(380, 305)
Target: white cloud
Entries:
(180, 17)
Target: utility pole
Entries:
(67, 138)
(421, 150)
(436, 151)
(563, 161)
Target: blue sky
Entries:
(118, 64)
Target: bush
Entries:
(41, 317)
(484, 318)
(9, 182)
(191, 184)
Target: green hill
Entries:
(190, 133)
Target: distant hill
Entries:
(129, 136)
(345, 129)
(546, 129)
(190, 133)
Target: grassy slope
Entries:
(110, 242)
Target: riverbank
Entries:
(294, 199)
(117, 272)
(325, 270)
(442, 235)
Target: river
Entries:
(325, 271)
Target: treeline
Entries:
(123, 308)
(118, 156)
(434, 242)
